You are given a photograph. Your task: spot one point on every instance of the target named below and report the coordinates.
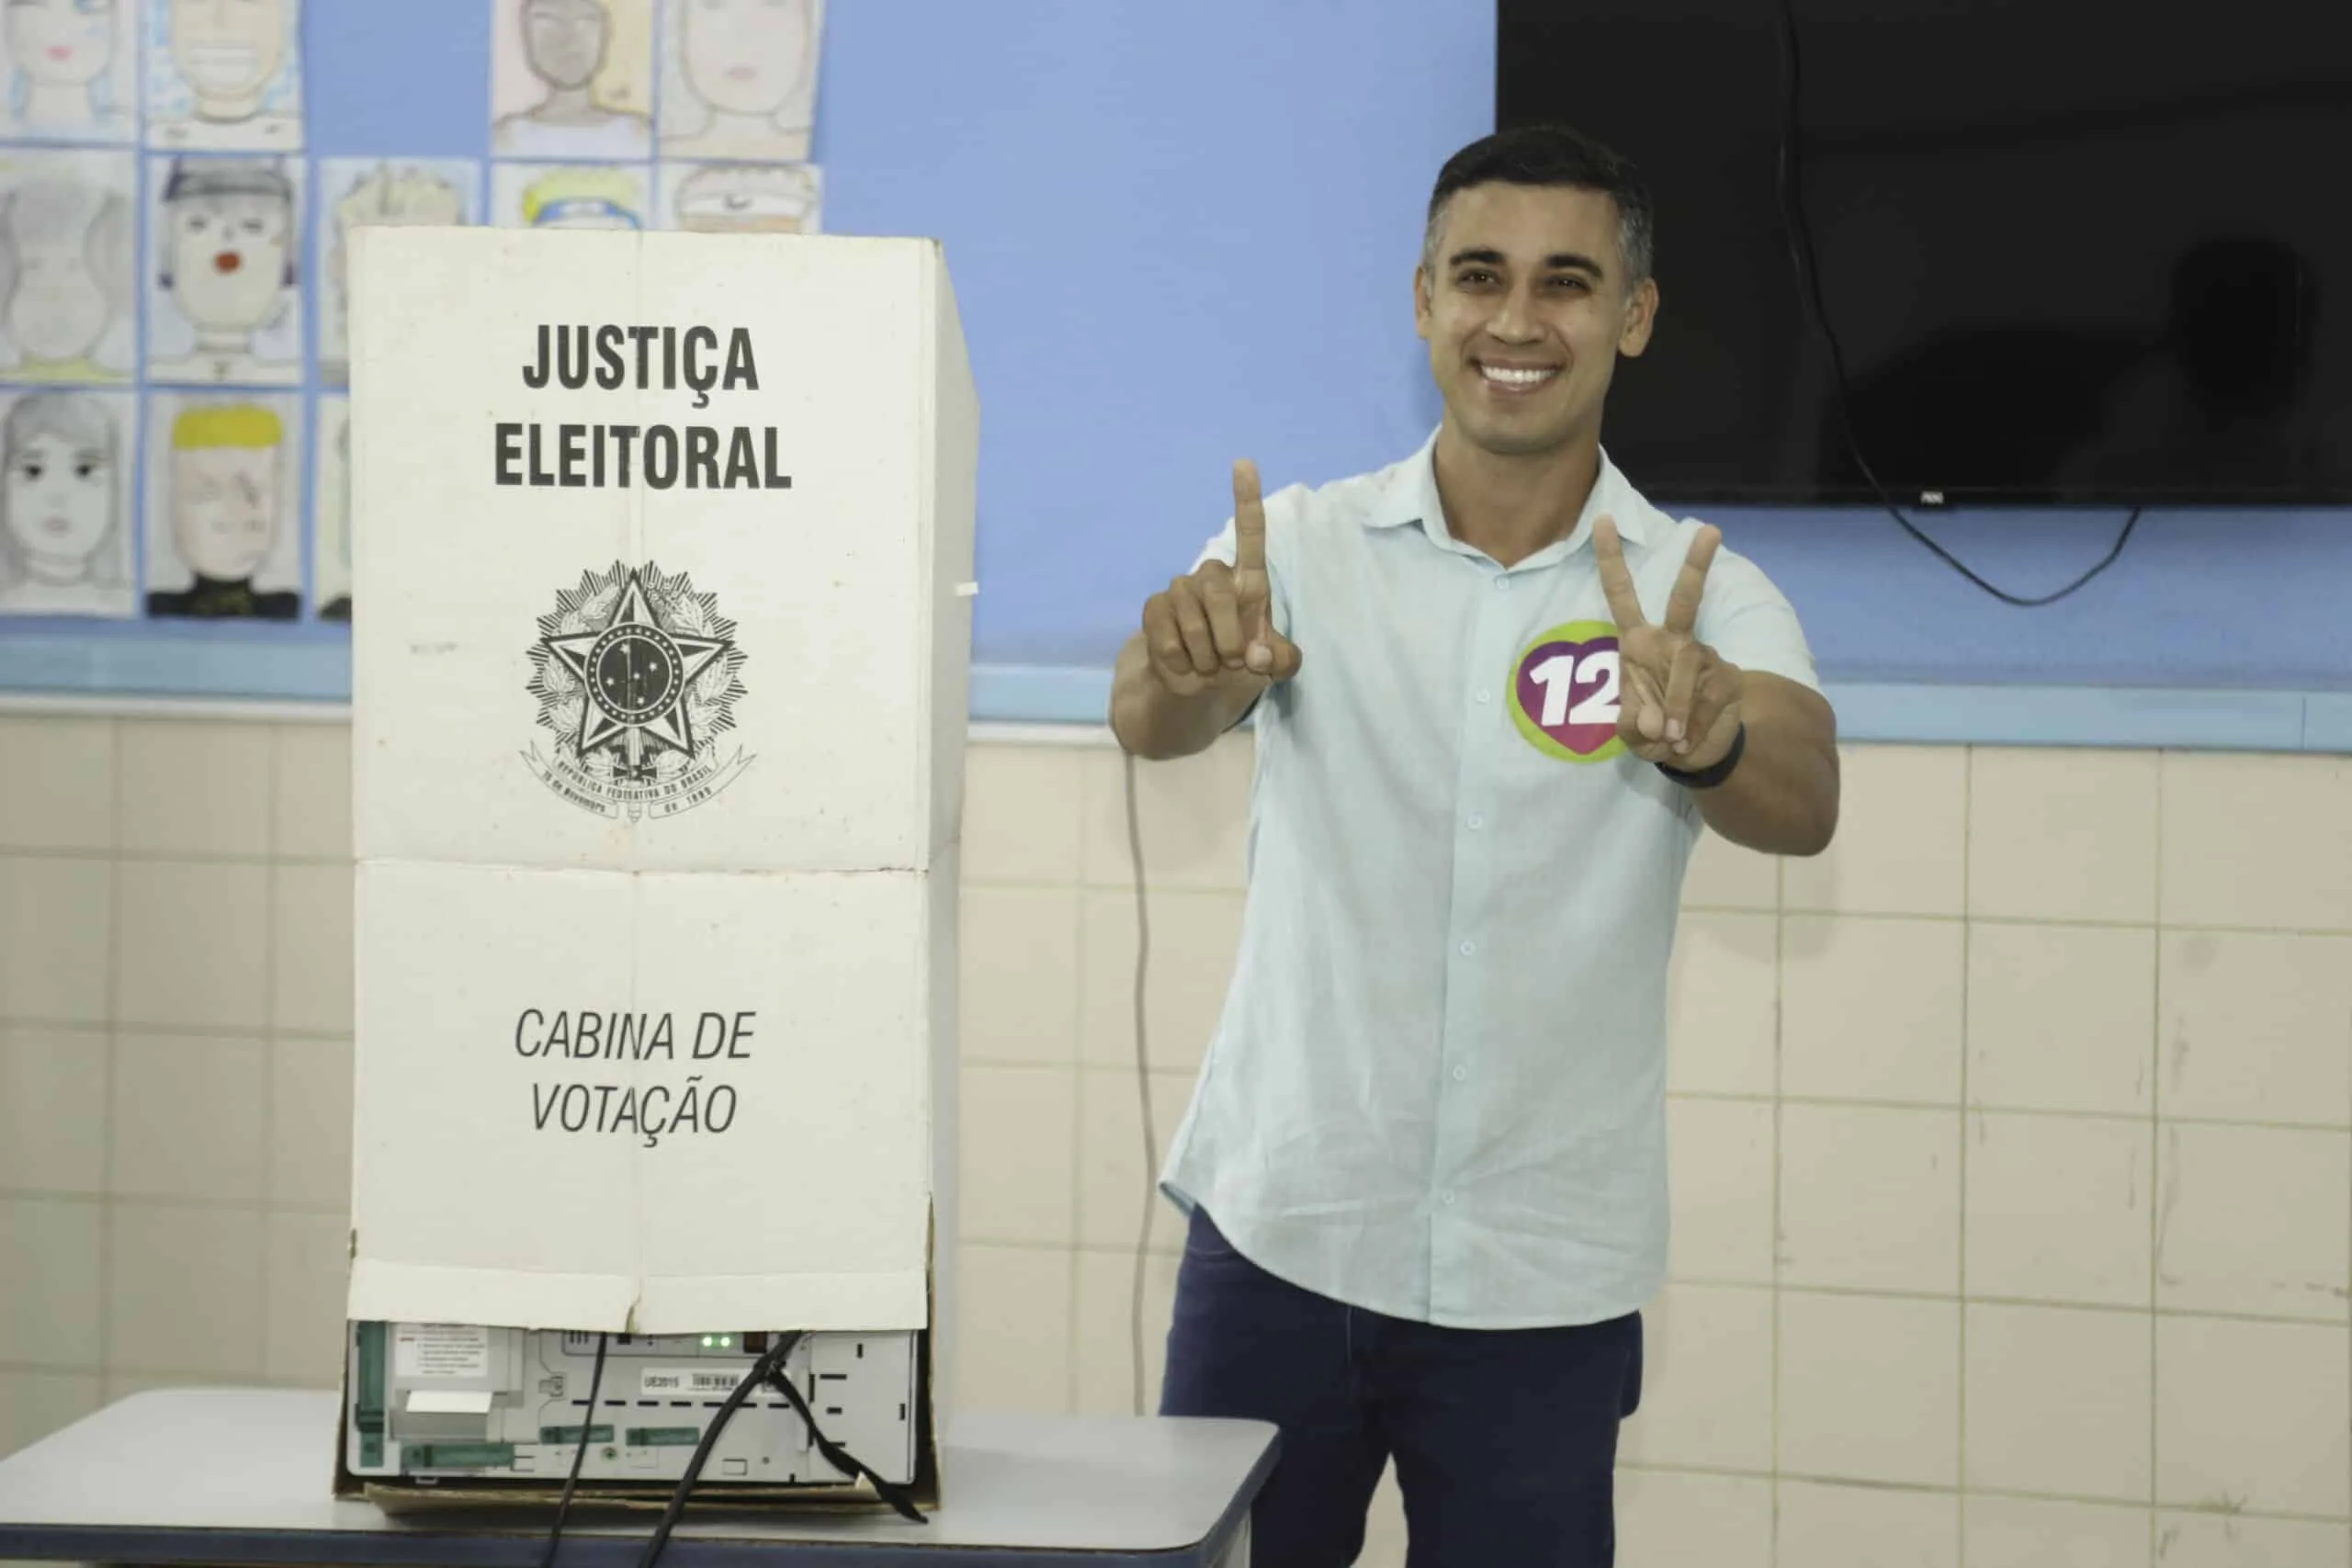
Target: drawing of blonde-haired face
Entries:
(581, 198)
(63, 268)
(748, 198)
(224, 499)
(746, 57)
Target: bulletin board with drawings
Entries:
(173, 240)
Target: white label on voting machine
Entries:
(440, 1350)
(658, 1380)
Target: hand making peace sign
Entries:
(1678, 701)
(1219, 620)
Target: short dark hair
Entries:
(1551, 155)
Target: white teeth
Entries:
(1515, 378)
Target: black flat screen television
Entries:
(2071, 251)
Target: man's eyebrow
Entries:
(1558, 261)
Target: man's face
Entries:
(745, 56)
(1526, 311)
(61, 42)
(228, 259)
(565, 39)
(57, 500)
(225, 509)
(228, 48)
(59, 310)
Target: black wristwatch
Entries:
(1714, 774)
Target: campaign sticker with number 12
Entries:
(1564, 694)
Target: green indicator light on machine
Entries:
(705, 1341)
(725, 1340)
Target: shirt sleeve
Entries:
(1745, 617)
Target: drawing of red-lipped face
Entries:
(746, 56)
(61, 43)
(228, 259)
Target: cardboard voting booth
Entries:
(662, 549)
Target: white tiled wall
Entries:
(2012, 1138)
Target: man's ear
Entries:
(1421, 302)
(1641, 317)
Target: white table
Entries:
(242, 1476)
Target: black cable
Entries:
(1143, 1080)
(760, 1371)
(840, 1458)
(579, 1455)
(1807, 263)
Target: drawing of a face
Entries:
(745, 56)
(749, 200)
(57, 493)
(224, 506)
(565, 39)
(61, 43)
(228, 259)
(391, 200)
(228, 49)
(57, 308)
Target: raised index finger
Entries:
(1616, 581)
(1682, 605)
(1248, 519)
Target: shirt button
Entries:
(1477, 821)
(1502, 583)
(1468, 948)
(1446, 1199)
(1485, 696)
(1460, 1073)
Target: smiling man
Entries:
(1498, 695)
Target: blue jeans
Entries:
(1505, 1439)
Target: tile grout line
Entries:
(1780, 1146)
(2155, 1152)
(113, 1066)
(1967, 931)
(1969, 758)
(1071, 1381)
(265, 1184)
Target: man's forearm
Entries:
(1152, 721)
(1782, 797)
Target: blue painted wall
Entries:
(1184, 232)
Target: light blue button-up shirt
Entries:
(1437, 1090)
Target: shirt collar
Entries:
(1412, 497)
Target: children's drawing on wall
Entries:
(225, 302)
(740, 78)
(64, 505)
(66, 268)
(223, 531)
(331, 509)
(71, 70)
(743, 198)
(358, 192)
(572, 78)
(225, 74)
(557, 195)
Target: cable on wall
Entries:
(1143, 1079)
(1807, 266)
